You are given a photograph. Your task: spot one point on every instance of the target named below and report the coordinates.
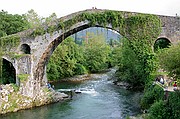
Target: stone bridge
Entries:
(30, 55)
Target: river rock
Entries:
(12, 101)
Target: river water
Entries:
(100, 100)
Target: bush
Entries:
(173, 105)
(169, 109)
(152, 94)
(80, 69)
(169, 60)
(157, 110)
(96, 53)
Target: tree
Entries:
(130, 67)
(11, 24)
(66, 60)
(96, 52)
(138, 61)
(166, 109)
(115, 55)
(169, 61)
(33, 19)
(51, 18)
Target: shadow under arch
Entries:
(25, 48)
(8, 73)
(161, 43)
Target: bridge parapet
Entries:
(170, 28)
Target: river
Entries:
(102, 100)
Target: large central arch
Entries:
(40, 72)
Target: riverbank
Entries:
(104, 100)
(80, 78)
(11, 99)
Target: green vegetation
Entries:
(115, 55)
(23, 77)
(138, 61)
(96, 53)
(11, 24)
(169, 61)
(72, 59)
(152, 94)
(9, 42)
(159, 106)
(104, 18)
(65, 60)
(15, 87)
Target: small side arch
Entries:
(161, 43)
(8, 72)
(25, 48)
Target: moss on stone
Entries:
(9, 41)
(15, 87)
(18, 56)
(23, 77)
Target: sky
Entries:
(45, 8)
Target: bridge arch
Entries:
(121, 24)
(25, 49)
(9, 72)
(40, 72)
(161, 42)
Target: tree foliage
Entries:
(96, 53)
(11, 24)
(115, 56)
(166, 109)
(130, 67)
(66, 61)
(152, 94)
(138, 60)
(72, 59)
(33, 19)
(169, 60)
